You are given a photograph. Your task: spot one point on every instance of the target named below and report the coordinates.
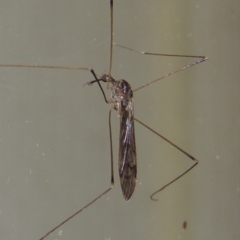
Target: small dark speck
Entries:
(184, 225)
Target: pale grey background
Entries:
(54, 144)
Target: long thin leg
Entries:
(64, 68)
(99, 84)
(99, 196)
(180, 149)
(159, 54)
(111, 37)
(76, 213)
(44, 66)
(201, 59)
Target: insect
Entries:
(122, 101)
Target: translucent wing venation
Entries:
(122, 101)
(127, 161)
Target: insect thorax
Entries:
(121, 95)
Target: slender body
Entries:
(122, 102)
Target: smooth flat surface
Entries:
(54, 148)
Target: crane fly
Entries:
(121, 100)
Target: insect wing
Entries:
(127, 161)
